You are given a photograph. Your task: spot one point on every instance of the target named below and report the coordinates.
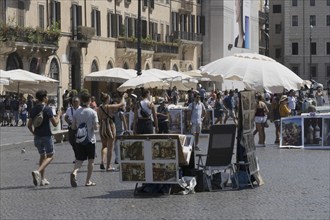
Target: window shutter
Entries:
(93, 18)
(203, 25)
(58, 14)
(152, 4)
(98, 24)
(79, 15)
(108, 24)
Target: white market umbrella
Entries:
(145, 81)
(182, 81)
(23, 81)
(4, 81)
(255, 71)
(117, 75)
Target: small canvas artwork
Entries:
(326, 132)
(164, 172)
(291, 132)
(163, 149)
(249, 142)
(133, 172)
(132, 150)
(175, 121)
(313, 131)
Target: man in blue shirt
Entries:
(43, 136)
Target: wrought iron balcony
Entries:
(180, 35)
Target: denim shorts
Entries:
(44, 144)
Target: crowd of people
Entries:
(136, 112)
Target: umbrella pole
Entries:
(18, 88)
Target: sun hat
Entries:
(283, 98)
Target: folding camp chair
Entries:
(219, 155)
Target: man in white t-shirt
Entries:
(195, 117)
(292, 100)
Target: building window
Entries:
(201, 25)
(278, 53)
(294, 2)
(96, 21)
(313, 48)
(94, 66)
(312, 2)
(3, 11)
(328, 20)
(295, 50)
(54, 70)
(314, 71)
(277, 9)
(295, 69)
(328, 48)
(55, 13)
(278, 28)
(76, 19)
(312, 20)
(328, 2)
(294, 20)
(328, 70)
(42, 16)
(21, 14)
(35, 65)
(109, 65)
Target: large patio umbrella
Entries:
(255, 71)
(118, 75)
(146, 81)
(4, 81)
(22, 81)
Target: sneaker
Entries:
(116, 162)
(36, 177)
(44, 182)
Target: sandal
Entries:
(112, 169)
(90, 184)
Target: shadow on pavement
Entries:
(117, 194)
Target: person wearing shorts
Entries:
(43, 136)
(87, 115)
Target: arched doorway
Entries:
(190, 68)
(54, 70)
(75, 70)
(35, 65)
(14, 61)
(126, 67)
(164, 66)
(175, 67)
(94, 85)
(109, 65)
(147, 66)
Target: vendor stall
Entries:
(154, 158)
(310, 131)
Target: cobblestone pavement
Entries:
(297, 186)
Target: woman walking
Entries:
(105, 114)
(260, 119)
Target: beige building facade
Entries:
(97, 35)
(67, 40)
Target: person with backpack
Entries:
(42, 135)
(275, 117)
(106, 112)
(85, 121)
(144, 109)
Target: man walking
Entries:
(229, 104)
(43, 136)
(85, 151)
(68, 118)
(195, 117)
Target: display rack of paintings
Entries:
(311, 132)
(149, 160)
(175, 121)
(247, 108)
